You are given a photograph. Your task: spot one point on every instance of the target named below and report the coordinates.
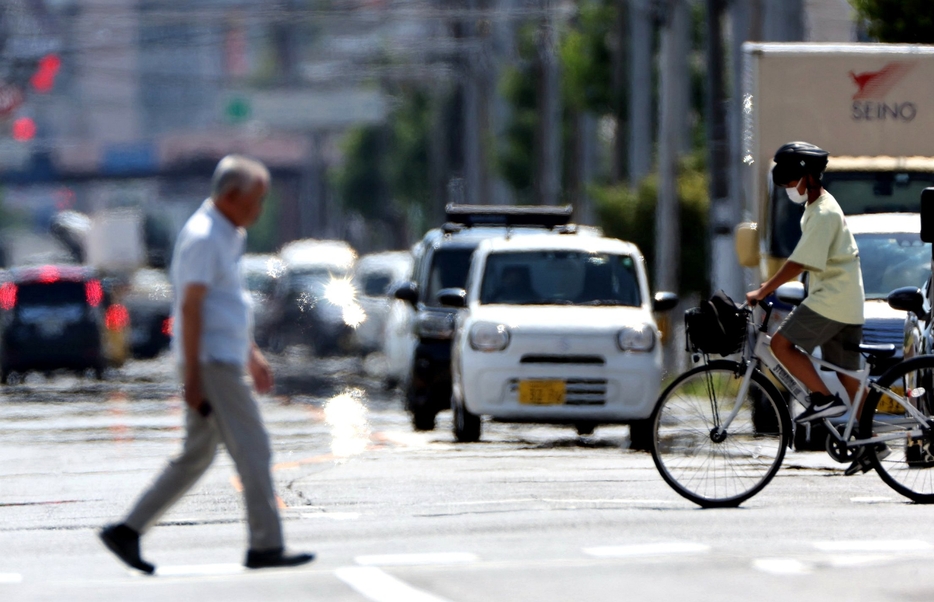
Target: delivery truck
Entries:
(871, 106)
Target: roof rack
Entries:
(545, 216)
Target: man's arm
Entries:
(192, 308)
(789, 271)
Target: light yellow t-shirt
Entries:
(828, 252)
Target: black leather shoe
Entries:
(124, 542)
(275, 558)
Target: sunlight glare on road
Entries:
(346, 416)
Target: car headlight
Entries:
(435, 325)
(636, 338)
(486, 336)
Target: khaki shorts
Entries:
(838, 342)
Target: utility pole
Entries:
(673, 101)
(641, 33)
(549, 172)
(724, 267)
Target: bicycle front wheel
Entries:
(711, 468)
(906, 461)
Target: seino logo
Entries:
(869, 102)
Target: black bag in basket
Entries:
(717, 326)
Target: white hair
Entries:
(236, 173)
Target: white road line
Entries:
(199, 570)
(11, 578)
(649, 549)
(870, 500)
(782, 566)
(416, 559)
(378, 586)
(876, 546)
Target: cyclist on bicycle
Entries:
(832, 315)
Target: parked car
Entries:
(149, 301)
(556, 330)
(374, 275)
(260, 272)
(55, 317)
(314, 302)
(442, 260)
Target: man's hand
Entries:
(193, 395)
(261, 371)
(753, 297)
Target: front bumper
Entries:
(622, 389)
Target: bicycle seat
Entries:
(877, 351)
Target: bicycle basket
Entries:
(718, 326)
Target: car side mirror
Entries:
(664, 301)
(408, 292)
(452, 297)
(791, 293)
(907, 298)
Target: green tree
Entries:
(385, 176)
(898, 21)
(629, 214)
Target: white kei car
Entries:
(556, 329)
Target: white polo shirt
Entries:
(208, 251)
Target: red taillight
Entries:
(49, 274)
(167, 327)
(94, 292)
(7, 296)
(117, 317)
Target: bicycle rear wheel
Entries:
(713, 470)
(908, 468)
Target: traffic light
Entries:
(43, 80)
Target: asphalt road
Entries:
(530, 513)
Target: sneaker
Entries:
(124, 542)
(275, 558)
(863, 461)
(822, 406)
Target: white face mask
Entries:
(794, 196)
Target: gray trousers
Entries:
(236, 422)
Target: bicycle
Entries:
(721, 429)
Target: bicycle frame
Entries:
(761, 354)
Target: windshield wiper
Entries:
(603, 302)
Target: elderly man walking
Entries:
(213, 344)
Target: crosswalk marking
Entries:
(379, 586)
(782, 566)
(649, 549)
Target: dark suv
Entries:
(51, 317)
(442, 259)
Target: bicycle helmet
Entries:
(795, 160)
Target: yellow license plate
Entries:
(887, 405)
(542, 392)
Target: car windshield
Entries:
(258, 282)
(891, 261)
(560, 277)
(448, 270)
(312, 281)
